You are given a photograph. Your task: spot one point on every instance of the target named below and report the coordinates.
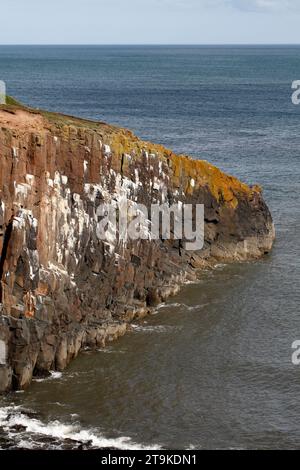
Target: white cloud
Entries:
(285, 6)
(261, 5)
(264, 5)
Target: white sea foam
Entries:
(53, 375)
(12, 417)
(191, 447)
(56, 374)
(189, 308)
(192, 308)
(110, 350)
(174, 305)
(192, 283)
(155, 329)
(220, 266)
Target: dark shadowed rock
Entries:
(61, 287)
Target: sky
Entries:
(150, 22)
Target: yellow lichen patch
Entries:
(124, 143)
(185, 172)
(223, 187)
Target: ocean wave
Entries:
(191, 447)
(54, 375)
(111, 350)
(22, 429)
(165, 305)
(189, 308)
(248, 133)
(192, 308)
(220, 266)
(155, 328)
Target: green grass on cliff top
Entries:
(57, 119)
(12, 102)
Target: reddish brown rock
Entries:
(61, 287)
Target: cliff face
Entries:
(61, 287)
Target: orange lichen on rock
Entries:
(224, 188)
(62, 286)
(190, 173)
(185, 171)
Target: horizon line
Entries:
(152, 44)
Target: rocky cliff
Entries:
(62, 288)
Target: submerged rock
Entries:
(62, 288)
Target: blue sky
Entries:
(149, 21)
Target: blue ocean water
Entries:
(213, 368)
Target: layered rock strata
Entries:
(62, 288)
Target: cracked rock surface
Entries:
(61, 287)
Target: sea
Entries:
(212, 368)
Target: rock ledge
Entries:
(62, 289)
